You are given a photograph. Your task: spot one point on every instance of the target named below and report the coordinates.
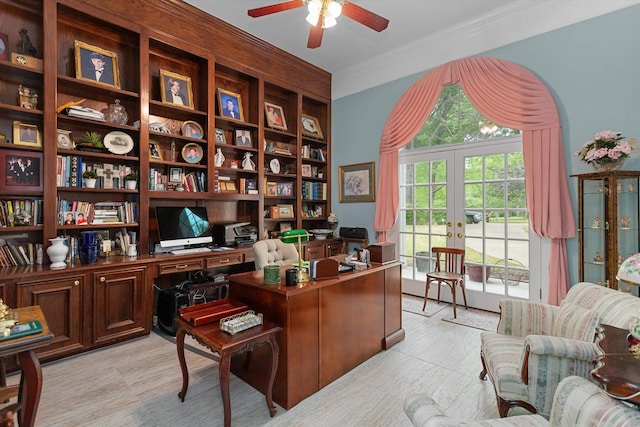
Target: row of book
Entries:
(314, 190)
(20, 212)
(15, 254)
(192, 182)
(313, 153)
(69, 170)
(74, 212)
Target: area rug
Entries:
(413, 304)
(478, 319)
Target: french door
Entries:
(469, 196)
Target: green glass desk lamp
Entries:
(298, 236)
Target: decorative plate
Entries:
(192, 153)
(118, 142)
(274, 165)
(192, 129)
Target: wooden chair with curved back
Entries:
(449, 270)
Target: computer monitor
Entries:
(183, 226)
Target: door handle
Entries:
(449, 234)
(460, 235)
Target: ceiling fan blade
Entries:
(315, 35)
(274, 8)
(364, 16)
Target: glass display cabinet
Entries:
(608, 229)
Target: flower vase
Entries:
(131, 184)
(57, 252)
(608, 166)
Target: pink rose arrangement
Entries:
(607, 147)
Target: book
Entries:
(23, 329)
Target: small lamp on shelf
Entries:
(629, 270)
(298, 236)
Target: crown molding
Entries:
(518, 20)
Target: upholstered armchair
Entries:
(535, 347)
(576, 402)
(274, 251)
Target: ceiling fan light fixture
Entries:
(315, 6)
(328, 21)
(334, 9)
(312, 18)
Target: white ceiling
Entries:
(352, 52)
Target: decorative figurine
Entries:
(28, 98)
(247, 163)
(597, 258)
(620, 260)
(218, 159)
(600, 188)
(26, 47)
(596, 222)
(625, 222)
(619, 187)
(234, 164)
(631, 187)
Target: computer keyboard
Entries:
(189, 251)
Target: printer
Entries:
(239, 234)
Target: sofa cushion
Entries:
(502, 354)
(575, 322)
(615, 308)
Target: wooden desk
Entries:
(31, 377)
(329, 326)
(227, 345)
(618, 370)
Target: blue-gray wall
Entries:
(592, 69)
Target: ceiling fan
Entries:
(323, 14)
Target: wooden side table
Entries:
(619, 370)
(31, 377)
(226, 345)
(347, 240)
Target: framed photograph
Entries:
(26, 134)
(243, 138)
(64, 139)
(4, 46)
(230, 105)
(192, 129)
(311, 127)
(22, 171)
(228, 186)
(285, 189)
(175, 174)
(154, 150)
(286, 211)
(285, 226)
(306, 170)
(220, 136)
(275, 116)
(176, 89)
(357, 183)
(192, 153)
(96, 64)
(27, 97)
(272, 189)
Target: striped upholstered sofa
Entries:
(577, 402)
(537, 345)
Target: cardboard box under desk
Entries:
(382, 253)
(201, 314)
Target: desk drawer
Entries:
(178, 266)
(223, 259)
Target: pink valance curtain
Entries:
(511, 96)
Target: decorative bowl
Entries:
(634, 329)
(321, 233)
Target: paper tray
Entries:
(209, 312)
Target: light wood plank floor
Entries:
(137, 384)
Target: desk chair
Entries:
(274, 251)
(450, 271)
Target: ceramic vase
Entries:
(90, 182)
(609, 166)
(57, 252)
(131, 185)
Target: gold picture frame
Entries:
(155, 151)
(26, 134)
(230, 103)
(311, 127)
(169, 82)
(275, 116)
(286, 211)
(89, 58)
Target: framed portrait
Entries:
(175, 174)
(243, 138)
(26, 134)
(192, 129)
(96, 64)
(220, 137)
(286, 211)
(64, 139)
(285, 189)
(311, 127)
(275, 116)
(176, 89)
(357, 183)
(192, 153)
(22, 170)
(285, 226)
(306, 170)
(154, 150)
(230, 105)
(272, 189)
